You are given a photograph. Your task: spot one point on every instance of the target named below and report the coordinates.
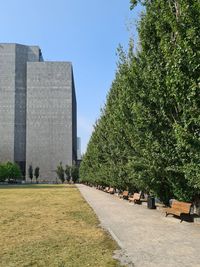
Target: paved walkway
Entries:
(147, 237)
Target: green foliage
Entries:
(133, 3)
(3, 172)
(75, 173)
(30, 172)
(9, 171)
(37, 173)
(68, 173)
(148, 135)
(60, 172)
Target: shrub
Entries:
(75, 173)
(60, 172)
(10, 171)
(30, 172)
(37, 173)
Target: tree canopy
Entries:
(148, 135)
(9, 171)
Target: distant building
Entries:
(37, 110)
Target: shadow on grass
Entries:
(36, 186)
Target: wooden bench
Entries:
(124, 195)
(99, 187)
(135, 198)
(179, 208)
(106, 189)
(111, 190)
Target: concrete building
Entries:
(37, 110)
(78, 148)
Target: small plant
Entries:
(60, 172)
(30, 172)
(3, 173)
(75, 173)
(68, 173)
(10, 171)
(37, 173)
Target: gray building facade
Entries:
(37, 110)
(78, 148)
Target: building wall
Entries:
(49, 117)
(7, 101)
(37, 110)
(74, 120)
(22, 55)
(78, 148)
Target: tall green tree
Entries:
(30, 172)
(169, 61)
(68, 173)
(148, 134)
(37, 173)
(60, 172)
(75, 173)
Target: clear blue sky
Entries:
(87, 33)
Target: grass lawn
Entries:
(50, 225)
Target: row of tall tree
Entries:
(69, 173)
(148, 135)
(32, 174)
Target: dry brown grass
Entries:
(50, 225)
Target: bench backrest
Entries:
(125, 193)
(182, 206)
(136, 196)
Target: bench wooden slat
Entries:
(183, 206)
(173, 211)
(111, 190)
(106, 189)
(178, 208)
(124, 194)
(135, 197)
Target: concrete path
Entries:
(147, 237)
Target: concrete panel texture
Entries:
(49, 116)
(7, 101)
(37, 110)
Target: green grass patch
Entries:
(51, 226)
